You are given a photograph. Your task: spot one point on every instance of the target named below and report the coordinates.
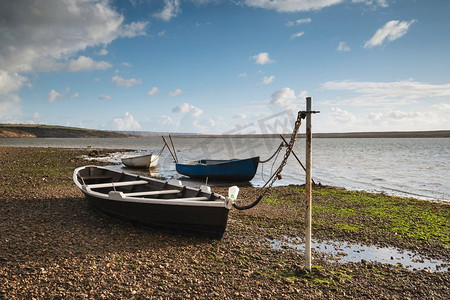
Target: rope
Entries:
(275, 153)
(159, 154)
(301, 115)
(273, 164)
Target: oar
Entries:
(168, 147)
(173, 147)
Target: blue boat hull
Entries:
(224, 170)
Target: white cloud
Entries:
(297, 35)
(286, 97)
(103, 52)
(442, 107)
(391, 31)
(268, 79)
(9, 107)
(134, 29)
(104, 97)
(343, 47)
(44, 36)
(10, 82)
(381, 3)
(299, 22)
(171, 9)
(175, 93)
(240, 116)
(291, 5)
(186, 108)
(262, 58)
(153, 91)
(54, 95)
(400, 120)
(283, 97)
(84, 63)
(166, 120)
(243, 75)
(387, 93)
(127, 122)
(385, 106)
(75, 95)
(119, 81)
(402, 115)
(342, 116)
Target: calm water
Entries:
(418, 168)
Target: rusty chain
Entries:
(301, 115)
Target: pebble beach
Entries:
(53, 245)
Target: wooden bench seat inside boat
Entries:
(116, 184)
(152, 193)
(189, 199)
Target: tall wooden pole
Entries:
(308, 184)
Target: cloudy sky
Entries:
(211, 66)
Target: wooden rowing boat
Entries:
(224, 170)
(140, 161)
(165, 205)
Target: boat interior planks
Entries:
(153, 202)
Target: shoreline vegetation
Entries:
(47, 131)
(53, 245)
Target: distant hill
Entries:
(159, 133)
(48, 131)
(388, 134)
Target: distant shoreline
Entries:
(46, 131)
(392, 134)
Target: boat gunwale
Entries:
(220, 201)
(217, 161)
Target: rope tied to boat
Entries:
(159, 154)
(277, 175)
(273, 155)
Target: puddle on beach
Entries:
(346, 252)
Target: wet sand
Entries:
(53, 245)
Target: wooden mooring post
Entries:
(308, 184)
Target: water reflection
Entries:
(347, 252)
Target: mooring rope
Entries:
(158, 155)
(301, 115)
(275, 153)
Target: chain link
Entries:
(301, 115)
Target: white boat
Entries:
(140, 161)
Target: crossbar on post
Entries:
(308, 184)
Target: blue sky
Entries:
(212, 66)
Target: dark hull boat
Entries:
(225, 170)
(164, 205)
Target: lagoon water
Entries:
(411, 167)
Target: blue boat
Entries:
(223, 170)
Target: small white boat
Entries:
(140, 161)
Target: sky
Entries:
(226, 66)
